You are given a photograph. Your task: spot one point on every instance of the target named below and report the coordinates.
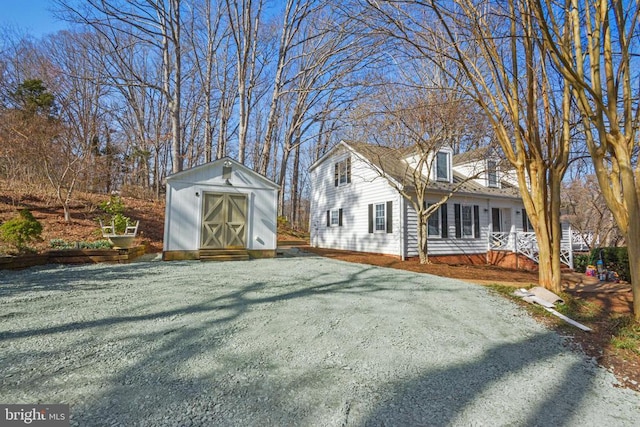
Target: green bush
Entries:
(114, 210)
(580, 262)
(21, 230)
(614, 258)
(63, 244)
(113, 206)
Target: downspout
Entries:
(401, 206)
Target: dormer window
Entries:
(492, 173)
(342, 173)
(442, 166)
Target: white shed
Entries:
(221, 208)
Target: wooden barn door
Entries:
(224, 220)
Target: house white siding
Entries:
(340, 208)
(451, 245)
(366, 187)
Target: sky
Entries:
(31, 16)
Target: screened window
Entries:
(492, 173)
(442, 166)
(467, 221)
(335, 217)
(380, 219)
(433, 223)
(526, 223)
(343, 172)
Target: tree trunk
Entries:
(633, 252)
(295, 176)
(422, 239)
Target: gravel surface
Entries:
(294, 341)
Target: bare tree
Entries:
(491, 50)
(594, 44)
(244, 22)
(587, 212)
(156, 24)
(415, 124)
(295, 13)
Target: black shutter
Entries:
(348, 169)
(370, 218)
(336, 174)
(456, 211)
(328, 218)
(444, 221)
(340, 217)
(476, 221)
(524, 220)
(389, 217)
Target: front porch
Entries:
(526, 243)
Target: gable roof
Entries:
(482, 154)
(214, 163)
(470, 156)
(389, 161)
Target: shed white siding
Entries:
(366, 187)
(184, 205)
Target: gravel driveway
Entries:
(297, 341)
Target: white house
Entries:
(221, 208)
(354, 205)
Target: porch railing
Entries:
(526, 243)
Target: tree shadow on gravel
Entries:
(441, 396)
(237, 302)
(64, 278)
(156, 386)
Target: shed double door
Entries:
(224, 221)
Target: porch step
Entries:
(224, 255)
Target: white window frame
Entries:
(446, 155)
(335, 218)
(343, 173)
(376, 218)
(466, 227)
(492, 172)
(435, 216)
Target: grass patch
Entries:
(626, 334)
(579, 309)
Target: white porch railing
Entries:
(526, 243)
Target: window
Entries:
(492, 173)
(442, 166)
(526, 223)
(342, 172)
(381, 223)
(334, 218)
(437, 224)
(496, 219)
(433, 223)
(467, 219)
(380, 217)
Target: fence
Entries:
(526, 243)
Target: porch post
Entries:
(570, 247)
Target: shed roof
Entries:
(215, 163)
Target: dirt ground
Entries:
(613, 298)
